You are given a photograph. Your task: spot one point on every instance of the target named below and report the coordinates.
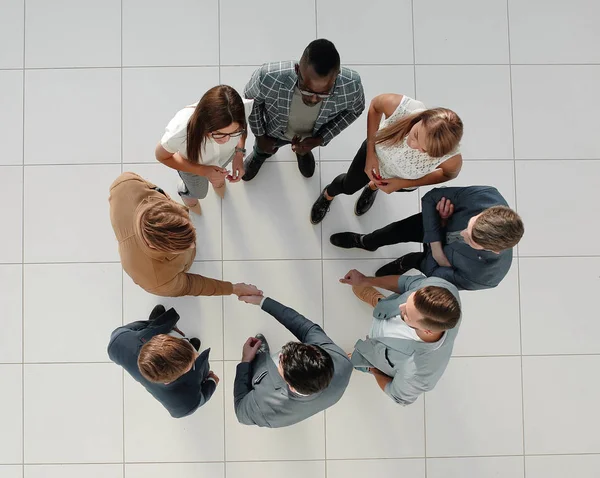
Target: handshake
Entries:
(248, 293)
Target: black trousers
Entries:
(355, 179)
(406, 230)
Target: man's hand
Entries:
(306, 145)
(251, 299)
(238, 168)
(212, 375)
(354, 277)
(241, 289)
(437, 251)
(445, 209)
(266, 143)
(250, 349)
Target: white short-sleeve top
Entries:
(175, 138)
(400, 160)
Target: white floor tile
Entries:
(376, 80)
(569, 381)
(11, 116)
(538, 110)
(73, 116)
(269, 217)
(566, 227)
(444, 32)
(71, 33)
(263, 31)
(489, 330)
(80, 418)
(11, 34)
(11, 415)
(73, 471)
(475, 409)
(558, 317)
(407, 468)
(289, 469)
(198, 437)
(302, 441)
(480, 95)
(581, 466)
(70, 311)
(341, 218)
(208, 225)
(11, 193)
(11, 471)
(553, 31)
(367, 423)
(369, 37)
(296, 284)
(67, 214)
(200, 317)
(151, 98)
(147, 28)
(497, 467)
(179, 470)
(12, 313)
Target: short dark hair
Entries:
(322, 56)
(440, 308)
(307, 368)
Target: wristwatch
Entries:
(240, 150)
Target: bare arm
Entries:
(380, 105)
(386, 282)
(178, 162)
(382, 379)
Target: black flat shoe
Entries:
(156, 312)
(365, 201)
(306, 164)
(195, 343)
(320, 209)
(252, 166)
(349, 240)
(400, 266)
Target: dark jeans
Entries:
(355, 179)
(406, 230)
(259, 153)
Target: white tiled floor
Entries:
(86, 88)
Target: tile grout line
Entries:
(122, 281)
(23, 256)
(512, 121)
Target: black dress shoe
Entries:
(349, 240)
(156, 312)
(400, 266)
(264, 346)
(195, 343)
(252, 166)
(320, 209)
(365, 201)
(306, 164)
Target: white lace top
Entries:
(400, 160)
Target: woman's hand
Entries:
(215, 174)
(238, 168)
(372, 166)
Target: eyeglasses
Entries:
(304, 92)
(235, 134)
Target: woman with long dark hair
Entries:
(202, 139)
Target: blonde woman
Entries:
(413, 146)
(202, 139)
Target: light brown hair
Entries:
(218, 108)
(167, 227)
(164, 359)
(498, 228)
(439, 307)
(443, 126)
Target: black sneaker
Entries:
(349, 240)
(156, 312)
(195, 343)
(306, 164)
(252, 166)
(264, 346)
(401, 265)
(365, 201)
(320, 208)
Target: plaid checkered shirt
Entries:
(272, 88)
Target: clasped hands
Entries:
(388, 185)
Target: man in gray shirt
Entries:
(305, 378)
(412, 333)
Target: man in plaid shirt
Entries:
(304, 104)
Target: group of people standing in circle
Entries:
(467, 235)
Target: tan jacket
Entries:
(154, 271)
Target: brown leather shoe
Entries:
(370, 295)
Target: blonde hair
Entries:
(164, 359)
(443, 126)
(167, 227)
(498, 228)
